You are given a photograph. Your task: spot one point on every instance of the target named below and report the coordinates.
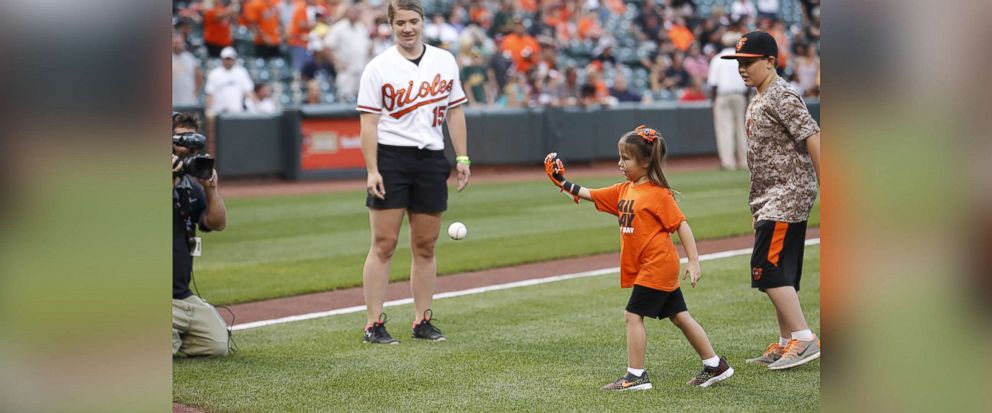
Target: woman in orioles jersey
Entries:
(647, 213)
(406, 96)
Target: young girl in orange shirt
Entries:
(647, 213)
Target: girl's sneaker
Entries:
(711, 375)
(630, 382)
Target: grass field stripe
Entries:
(479, 290)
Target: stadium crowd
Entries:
(270, 54)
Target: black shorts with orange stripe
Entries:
(777, 259)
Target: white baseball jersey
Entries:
(412, 100)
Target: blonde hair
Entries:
(397, 5)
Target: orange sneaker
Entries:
(772, 354)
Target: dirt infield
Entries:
(331, 300)
(241, 188)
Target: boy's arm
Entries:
(689, 243)
(813, 145)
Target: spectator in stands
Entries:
(514, 93)
(807, 70)
(382, 36)
(784, 44)
(768, 9)
(503, 21)
(227, 85)
(676, 75)
(349, 45)
(658, 69)
(650, 20)
(697, 65)
(566, 90)
(185, 27)
(261, 101)
(262, 17)
(595, 83)
(693, 93)
(729, 102)
(523, 47)
(217, 32)
(743, 11)
(682, 38)
(620, 91)
(479, 14)
(441, 34)
(302, 20)
(187, 78)
(706, 32)
(478, 84)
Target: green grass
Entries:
(289, 245)
(541, 348)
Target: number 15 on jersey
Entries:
(438, 115)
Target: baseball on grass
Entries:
(457, 231)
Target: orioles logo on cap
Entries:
(740, 43)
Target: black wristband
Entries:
(572, 188)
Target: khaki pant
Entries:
(728, 122)
(197, 329)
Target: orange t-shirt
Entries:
(517, 45)
(681, 37)
(299, 29)
(647, 214)
(265, 14)
(217, 29)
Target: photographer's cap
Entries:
(754, 44)
(228, 53)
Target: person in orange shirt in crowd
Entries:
(523, 47)
(680, 35)
(588, 26)
(298, 34)
(649, 262)
(217, 27)
(263, 18)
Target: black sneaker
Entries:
(376, 333)
(425, 330)
(630, 382)
(711, 375)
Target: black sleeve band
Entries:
(572, 188)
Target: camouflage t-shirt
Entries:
(783, 181)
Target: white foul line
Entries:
(479, 290)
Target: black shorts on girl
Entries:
(648, 302)
(414, 179)
(777, 259)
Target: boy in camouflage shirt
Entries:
(784, 161)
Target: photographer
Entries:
(197, 328)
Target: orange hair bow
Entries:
(646, 133)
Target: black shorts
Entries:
(648, 302)
(415, 179)
(777, 259)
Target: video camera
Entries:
(197, 166)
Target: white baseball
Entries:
(457, 231)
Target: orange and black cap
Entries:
(754, 44)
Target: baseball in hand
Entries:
(457, 231)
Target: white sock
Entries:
(803, 335)
(712, 361)
(783, 341)
(636, 372)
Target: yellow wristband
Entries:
(463, 159)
